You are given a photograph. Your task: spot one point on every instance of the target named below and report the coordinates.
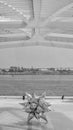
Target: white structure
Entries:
(36, 22)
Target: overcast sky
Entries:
(36, 57)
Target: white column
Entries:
(37, 9)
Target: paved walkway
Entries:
(13, 117)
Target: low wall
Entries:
(47, 97)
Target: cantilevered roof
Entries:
(36, 23)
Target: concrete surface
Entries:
(13, 116)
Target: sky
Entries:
(41, 57)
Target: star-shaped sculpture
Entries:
(36, 106)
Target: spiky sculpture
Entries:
(36, 106)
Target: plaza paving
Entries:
(13, 117)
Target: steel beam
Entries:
(16, 44)
(56, 14)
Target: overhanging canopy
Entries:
(36, 23)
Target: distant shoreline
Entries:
(36, 74)
(36, 71)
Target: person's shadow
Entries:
(35, 125)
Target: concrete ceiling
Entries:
(36, 23)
